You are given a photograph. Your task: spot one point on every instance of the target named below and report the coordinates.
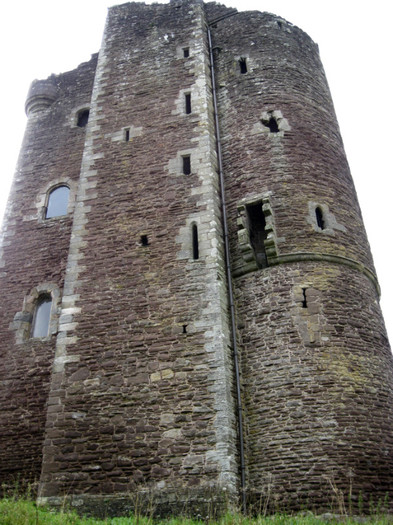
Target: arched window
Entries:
(42, 316)
(82, 118)
(319, 217)
(57, 202)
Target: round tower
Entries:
(41, 95)
(316, 364)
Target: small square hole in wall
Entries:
(144, 240)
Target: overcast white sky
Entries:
(40, 37)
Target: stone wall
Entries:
(316, 364)
(130, 398)
(141, 397)
(33, 258)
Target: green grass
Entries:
(14, 511)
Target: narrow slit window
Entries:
(195, 242)
(42, 316)
(186, 164)
(304, 301)
(187, 100)
(258, 234)
(57, 202)
(243, 66)
(127, 134)
(82, 118)
(319, 217)
(186, 52)
(144, 240)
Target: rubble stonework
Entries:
(131, 397)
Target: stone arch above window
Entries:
(43, 198)
(80, 116)
(38, 318)
(322, 219)
(57, 201)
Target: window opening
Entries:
(319, 217)
(83, 118)
(195, 242)
(243, 66)
(57, 202)
(127, 134)
(258, 233)
(186, 52)
(272, 124)
(144, 240)
(304, 302)
(187, 164)
(42, 316)
(187, 97)
(185, 328)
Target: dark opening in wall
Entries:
(144, 240)
(82, 118)
(319, 217)
(271, 124)
(186, 52)
(187, 100)
(258, 234)
(127, 134)
(195, 242)
(185, 328)
(243, 66)
(304, 302)
(186, 164)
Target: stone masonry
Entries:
(131, 397)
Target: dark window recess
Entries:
(186, 52)
(42, 316)
(127, 134)
(258, 234)
(83, 118)
(57, 202)
(187, 99)
(195, 242)
(187, 164)
(319, 217)
(144, 240)
(279, 24)
(185, 328)
(304, 302)
(243, 66)
(271, 124)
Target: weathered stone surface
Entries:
(131, 396)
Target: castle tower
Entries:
(139, 361)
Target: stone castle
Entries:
(189, 308)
